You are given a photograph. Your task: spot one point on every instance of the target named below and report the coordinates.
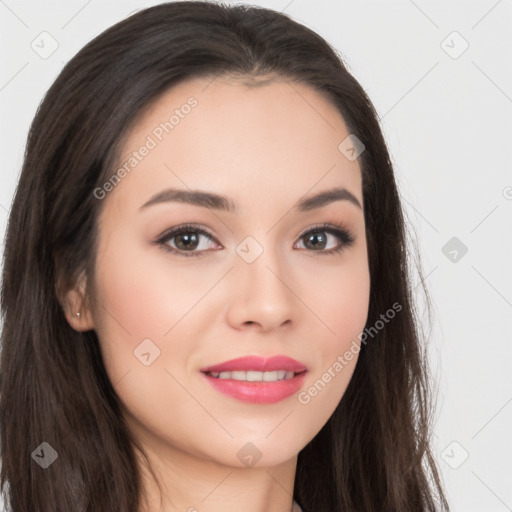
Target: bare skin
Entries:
(265, 148)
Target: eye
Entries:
(315, 238)
(187, 239)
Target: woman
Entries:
(206, 298)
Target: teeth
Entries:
(254, 376)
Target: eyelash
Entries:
(338, 230)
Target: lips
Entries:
(257, 379)
(257, 363)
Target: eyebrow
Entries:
(223, 203)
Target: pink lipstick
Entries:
(257, 379)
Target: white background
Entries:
(448, 125)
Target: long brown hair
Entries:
(372, 455)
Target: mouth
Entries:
(257, 379)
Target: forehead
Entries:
(238, 139)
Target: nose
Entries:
(262, 295)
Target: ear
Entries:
(75, 300)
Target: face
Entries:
(254, 274)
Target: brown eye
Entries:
(317, 238)
(185, 240)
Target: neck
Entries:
(194, 484)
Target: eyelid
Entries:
(325, 226)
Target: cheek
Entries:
(339, 298)
(146, 305)
(341, 305)
(148, 292)
(137, 307)
(134, 309)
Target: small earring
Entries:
(78, 314)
